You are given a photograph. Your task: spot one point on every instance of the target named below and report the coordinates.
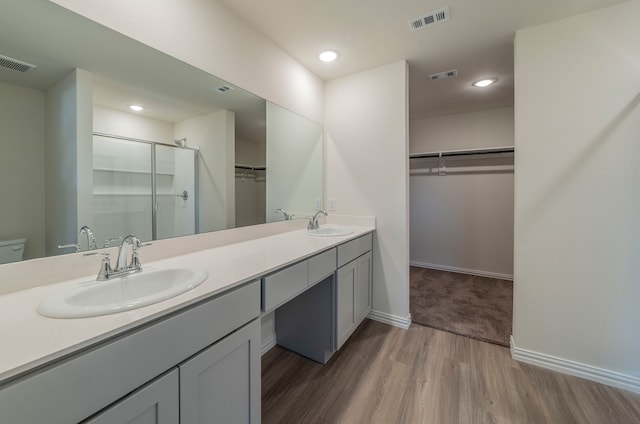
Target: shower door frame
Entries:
(154, 196)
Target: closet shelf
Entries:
(462, 152)
(251, 167)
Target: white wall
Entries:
(68, 158)
(250, 152)
(485, 128)
(204, 33)
(577, 221)
(124, 124)
(367, 173)
(463, 221)
(214, 135)
(22, 142)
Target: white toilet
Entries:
(11, 250)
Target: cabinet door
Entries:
(363, 287)
(221, 384)
(345, 298)
(154, 403)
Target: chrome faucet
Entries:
(121, 263)
(91, 240)
(284, 213)
(122, 267)
(313, 221)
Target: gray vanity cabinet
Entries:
(316, 315)
(182, 360)
(154, 403)
(353, 286)
(222, 383)
(219, 384)
(363, 286)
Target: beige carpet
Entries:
(468, 305)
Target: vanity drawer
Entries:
(321, 266)
(353, 249)
(283, 285)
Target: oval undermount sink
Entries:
(327, 231)
(94, 298)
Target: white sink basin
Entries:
(93, 298)
(326, 231)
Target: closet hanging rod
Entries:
(465, 152)
(251, 167)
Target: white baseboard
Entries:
(394, 320)
(599, 375)
(462, 270)
(268, 343)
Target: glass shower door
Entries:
(122, 190)
(175, 182)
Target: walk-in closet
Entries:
(461, 227)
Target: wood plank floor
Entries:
(388, 375)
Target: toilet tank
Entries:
(11, 250)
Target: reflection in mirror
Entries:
(142, 188)
(294, 164)
(73, 154)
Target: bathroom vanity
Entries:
(194, 358)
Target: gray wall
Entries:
(22, 142)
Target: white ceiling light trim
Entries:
(484, 82)
(328, 56)
(136, 108)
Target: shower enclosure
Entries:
(143, 188)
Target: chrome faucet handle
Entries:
(137, 246)
(66, 246)
(105, 266)
(135, 261)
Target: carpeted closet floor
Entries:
(468, 305)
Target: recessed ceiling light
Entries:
(485, 82)
(137, 108)
(328, 56)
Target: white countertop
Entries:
(30, 340)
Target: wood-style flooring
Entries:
(388, 375)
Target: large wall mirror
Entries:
(203, 155)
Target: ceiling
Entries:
(477, 41)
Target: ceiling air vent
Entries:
(224, 88)
(16, 65)
(430, 19)
(443, 75)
